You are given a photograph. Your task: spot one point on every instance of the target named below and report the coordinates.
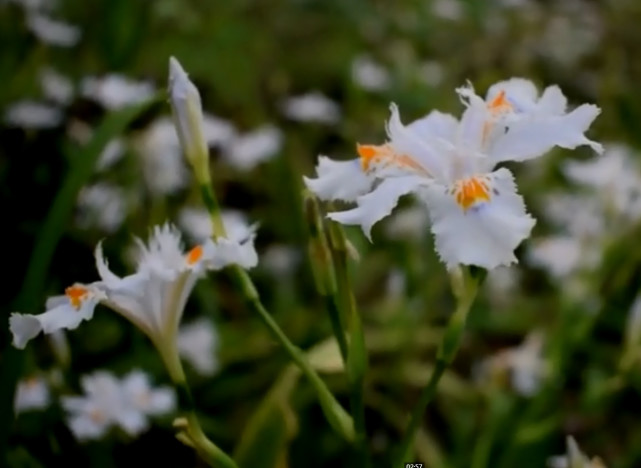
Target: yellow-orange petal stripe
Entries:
(194, 254)
(76, 295)
(500, 103)
(471, 191)
(372, 155)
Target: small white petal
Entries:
(552, 101)
(31, 394)
(339, 180)
(222, 252)
(25, 327)
(197, 342)
(520, 92)
(485, 235)
(379, 203)
(530, 138)
(247, 151)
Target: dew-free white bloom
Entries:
(142, 399)
(154, 297)
(370, 75)
(281, 260)
(32, 394)
(527, 365)
(246, 151)
(116, 91)
(198, 343)
(53, 32)
(563, 255)
(56, 87)
(63, 312)
(110, 402)
(33, 114)
(311, 107)
(163, 167)
(574, 458)
(102, 206)
(477, 216)
(196, 222)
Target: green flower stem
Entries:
(336, 415)
(357, 352)
(322, 264)
(190, 431)
(337, 325)
(465, 292)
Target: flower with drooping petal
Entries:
(32, 394)
(67, 311)
(477, 216)
(154, 297)
(197, 343)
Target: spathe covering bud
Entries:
(188, 119)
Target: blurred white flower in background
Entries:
(311, 107)
(369, 74)
(33, 115)
(56, 87)
(281, 260)
(163, 166)
(115, 91)
(32, 393)
(196, 223)
(432, 73)
(110, 402)
(53, 32)
(447, 9)
(562, 255)
(524, 365)
(396, 284)
(246, 151)
(198, 345)
(101, 206)
(411, 223)
(574, 458)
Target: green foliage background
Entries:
(246, 56)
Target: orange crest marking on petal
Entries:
(372, 155)
(194, 254)
(471, 191)
(76, 295)
(499, 104)
(97, 416)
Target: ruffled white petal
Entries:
(473, 121)
(485, 235)
(379, 203)
(236, 249)
(24, 327)
(552, 101)
(435, 125)
(429, 149)
(339, 180)
(520, 92)
(530, 138)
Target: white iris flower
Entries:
(477, 216)
(153, 298)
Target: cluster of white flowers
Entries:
(152, 298)
(609, 192)
(477, 217)
(111, 402)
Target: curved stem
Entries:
(191, 433)
(465, 294)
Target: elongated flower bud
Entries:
(188, 119)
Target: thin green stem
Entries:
(337, 324)
(446, 353)
(357, 353)
(191, 432)
(336, 415)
